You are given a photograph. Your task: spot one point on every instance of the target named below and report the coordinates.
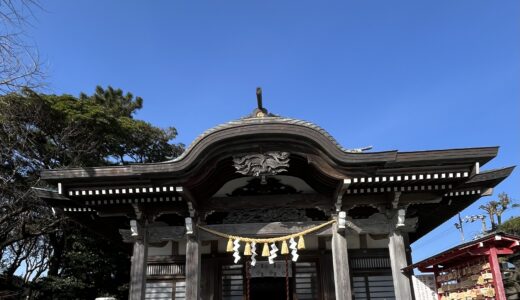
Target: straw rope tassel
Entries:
(229, 247)
(268, 240)
(265, 250)
(285, 249)
(301, 242)
(247, 249)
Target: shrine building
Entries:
(268, 207)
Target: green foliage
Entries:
(113, 99)
(39, 131)
(85, 131)
(496, 208)
(511, 226)
(91, 267)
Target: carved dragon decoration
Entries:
(261, 164)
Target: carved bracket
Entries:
(191, 210)
(340, 190)
(395, 202)
(189, 226)
(398, 220)
(401, 217)
(158, 234)
(134, 228)
(136, 233)
(138, 211)
(342, 220)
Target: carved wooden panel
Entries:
(261, 164)
(266, 215)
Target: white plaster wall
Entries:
(158, 251)
(424, 287)
(205, 247)
(353, 241)
(382, 243)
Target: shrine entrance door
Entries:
(272, 288)
(268, 281)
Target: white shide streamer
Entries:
(236, 254)
(294, 249)
(273, 255)
(253, 254)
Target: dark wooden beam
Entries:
(350, 200)
(157, 234)
(324, 167)
(420, 198)
(373, 225)
(49, 195)
(340, 191)
(271, 201)
(191, 201)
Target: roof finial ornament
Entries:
(259, 97)
(260, 111)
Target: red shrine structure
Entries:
(471, 270)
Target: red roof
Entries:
(503, 242)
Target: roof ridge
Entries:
(249, 119)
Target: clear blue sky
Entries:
(406, 75)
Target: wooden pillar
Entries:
(397, 249)
(340, 265)
(500, 293)
(138, 268)
(437, 284)
(409, 261)
(193, 267)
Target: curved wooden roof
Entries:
(254, 134)
(444, 180)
